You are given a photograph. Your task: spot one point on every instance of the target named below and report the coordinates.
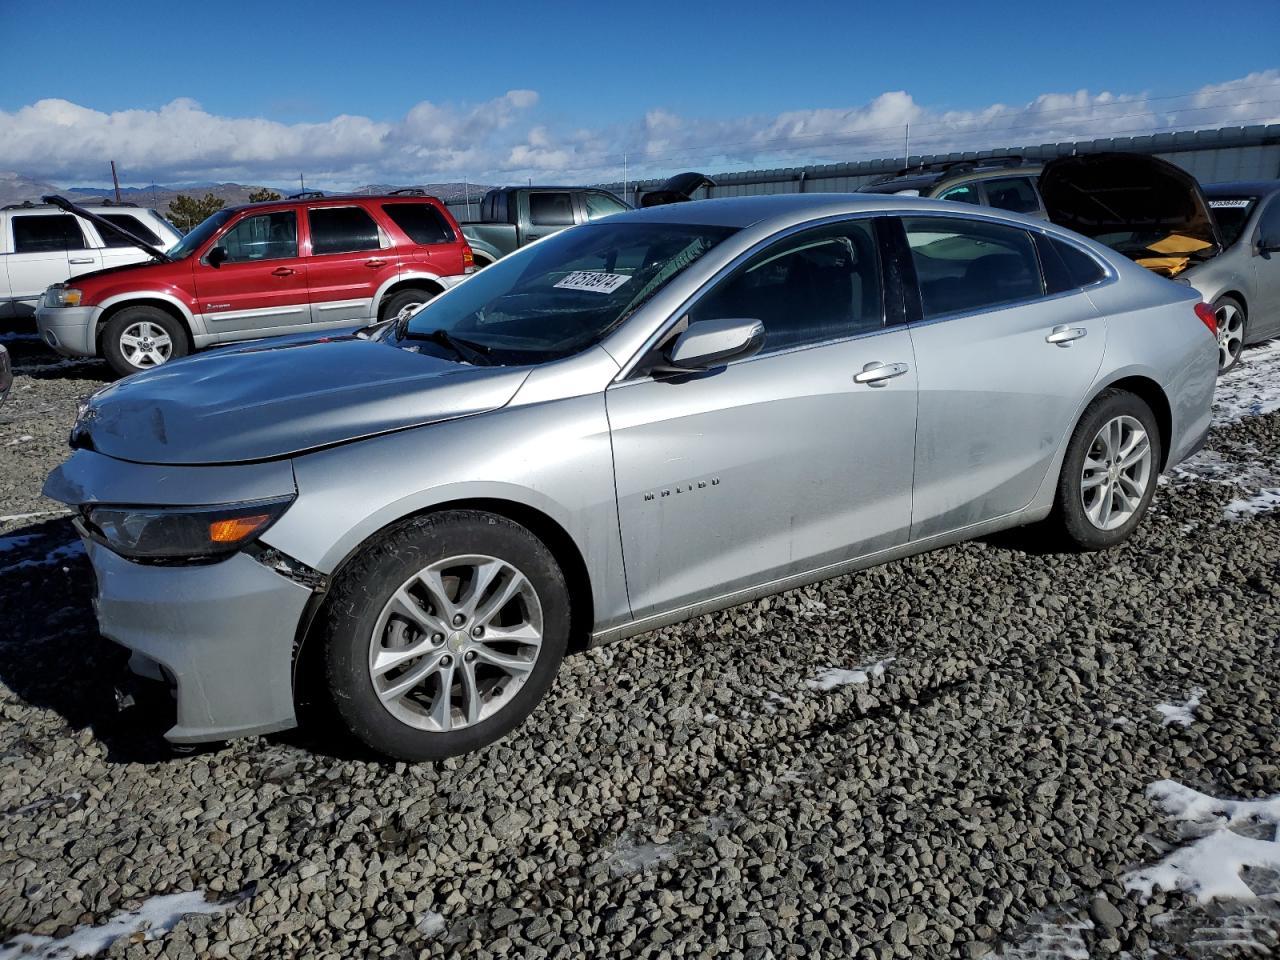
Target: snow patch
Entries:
(25, 438)
(636, 858)
(1210, 867)
(1252, 388)
(155, 917)
(833, 677)
(1047, 939)
(38, 513)
(430, 923)
(1181, 713)
(1265, 500)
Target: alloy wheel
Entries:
(1230, 334)
(145, 345)
(1117, 472)
(455, 643)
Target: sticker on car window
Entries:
(595, 282)
(1229, 204)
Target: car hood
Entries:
(1144, 207)
(281, 397)
(677, 189)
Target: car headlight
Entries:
(63, 296)
(181, 534)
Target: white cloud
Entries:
(508, 138)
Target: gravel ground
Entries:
(946, 756)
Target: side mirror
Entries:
(712, 343)
(216, 257)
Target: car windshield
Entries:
(564, 294)
(196, 238)
(1231, 214)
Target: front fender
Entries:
(552, 457)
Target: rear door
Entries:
(1002, 367)
(45, 248)
(350, 258)
(550, 211)
(788, 461)
(262, 285)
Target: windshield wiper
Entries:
(467, 350)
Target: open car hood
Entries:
(106, 227)
(676, 189)
(276, 398)
(1144, 207)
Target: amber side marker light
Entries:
(237, 528)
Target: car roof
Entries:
(781, 209)
(284, 202)
(1236, 188)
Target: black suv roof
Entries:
(924, 175)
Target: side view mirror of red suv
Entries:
(216, 257)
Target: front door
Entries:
(791, 460)
(262, 283)
(46, 248)
(1264, 321)
(347, 265)
(1001, 368)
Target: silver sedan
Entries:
(622, 426)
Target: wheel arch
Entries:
(1153, 395)
(422, 281)
(558, 540)
(113, 307)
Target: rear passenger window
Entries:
(1083, 268)
(551, 209)
(342, 230)
(421, 222)
(113, 238)
(47, 234)
(267, 236)
(1012, 193)
(1065, 267)
(966, 265)
(964, 193)
(820, 285)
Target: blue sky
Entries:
(607, 77)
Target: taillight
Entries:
(468, 260)
(1207, 317)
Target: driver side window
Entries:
(815, 286)
(268, 236)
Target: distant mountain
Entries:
(15, 188)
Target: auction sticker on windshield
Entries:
(595, 282)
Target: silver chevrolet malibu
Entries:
(625, 425)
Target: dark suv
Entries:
(1006, 182)
(284, 266)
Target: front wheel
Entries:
(443, 635)
(404, 303)
(1109, 474)
(139, 338)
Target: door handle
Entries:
(375, 262)
(81, 260)
(282, 272)
(1062, 335)
(877, 374)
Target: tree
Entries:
(186, 212)
(261, 194)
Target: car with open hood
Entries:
(304, 263)
(1222, 240)
(625, 425)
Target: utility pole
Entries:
(907, 147)
(302, 184)
(466, 187)
(624, 175)
(116, 180)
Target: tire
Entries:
(480, 261)
(1231, 331)
(1081, 503)
(368, 620)
(157, 338)
(402, 300)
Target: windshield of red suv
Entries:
(196, 238)
(564, 294)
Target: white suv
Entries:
(41, 244)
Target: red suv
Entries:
(284, 266)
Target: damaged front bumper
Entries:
(222, 634)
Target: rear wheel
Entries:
(1229, 313)
(1109, 474)
(402, 303)
(139, 338)
(444, 635)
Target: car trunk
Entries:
(1141, 206)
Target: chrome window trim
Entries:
(627, 369)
